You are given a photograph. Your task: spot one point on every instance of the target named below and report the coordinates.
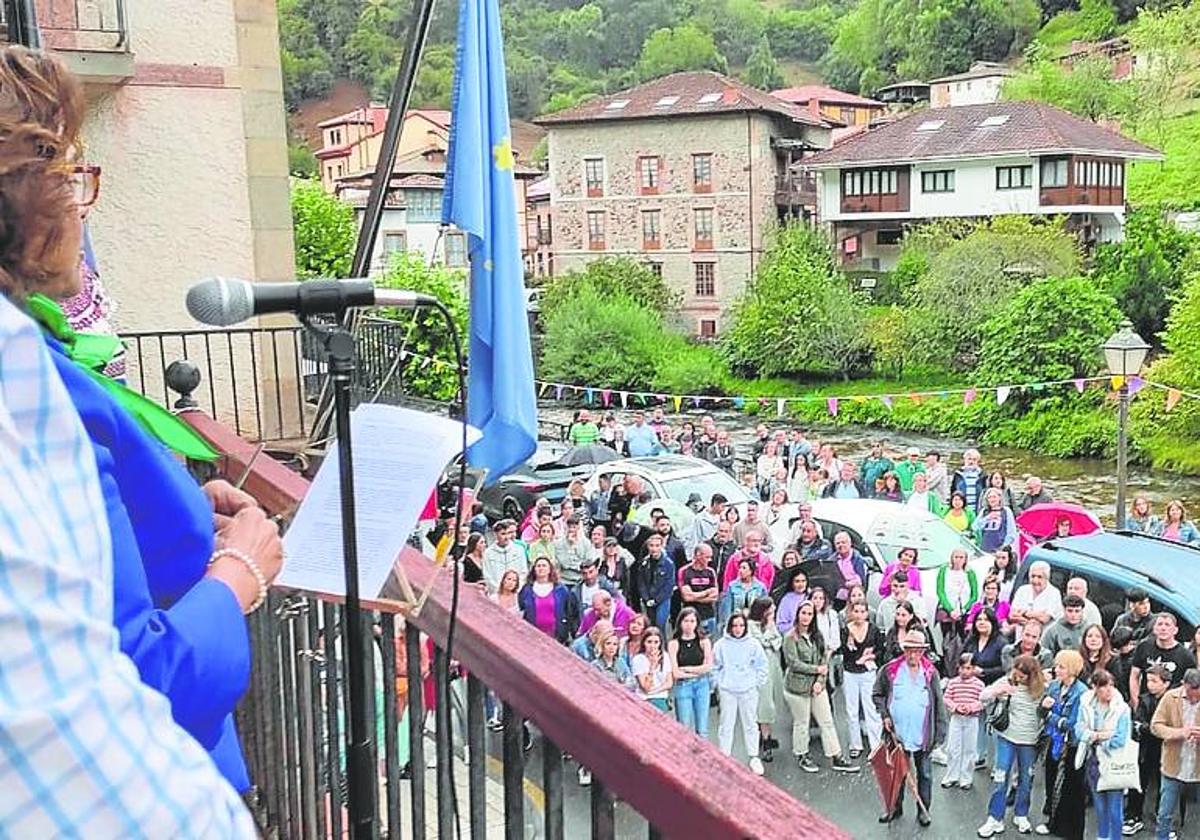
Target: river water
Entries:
(1086, 481)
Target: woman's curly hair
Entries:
(41, 113)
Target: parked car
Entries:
(541, 476)
(1114, 562)
(879, 529)
(673, 477)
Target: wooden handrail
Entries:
(685, 784)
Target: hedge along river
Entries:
(1090, 482)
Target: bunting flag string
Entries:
(832, 403)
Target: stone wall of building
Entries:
(744, 169)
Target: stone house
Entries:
(689, 173)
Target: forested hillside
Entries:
(560, 51)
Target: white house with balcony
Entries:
(973, 161)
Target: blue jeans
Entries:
(1168, 801)
(1110, 813)
(709, 626)
(691, 704)
(661, 615)
(1007, 754)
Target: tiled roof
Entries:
(420, 181)
(538, 189)
(806, 93)
(696, 93)
(950, 133)
(373, 115)
(979, 70)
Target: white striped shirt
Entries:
(85, 748)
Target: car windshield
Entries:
(705, 484)
(931, 537)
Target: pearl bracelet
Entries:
(249, 563)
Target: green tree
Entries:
(302, 163)
(1099, 18)
(1051, 329)
(1087, 89)
(971, 278)
(798, 313)
(1165, 43)
(686, 47)
(762, 71)
(802, 34)
(324, 229)
(1147, 268)
(307, 65)
(612, 277)
(430, 371)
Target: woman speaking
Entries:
(186, 564)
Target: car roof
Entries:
(1171, 566)
(861, 514)
(660, 466)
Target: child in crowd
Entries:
(1149, 747)
(1123, 645)
(962, 702)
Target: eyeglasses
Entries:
(85, 182)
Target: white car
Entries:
(674, 477)
(879, 529)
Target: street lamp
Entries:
(1124, 353)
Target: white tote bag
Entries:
(1119, 768)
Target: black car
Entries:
(541, 476)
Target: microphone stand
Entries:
(338, 344)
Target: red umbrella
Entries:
(889, 762)
(1041, 521)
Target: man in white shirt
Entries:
(885, 615)
(706, 522)
(1037, 599)
(504, 554)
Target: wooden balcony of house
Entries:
(796, 189)
(649, 775)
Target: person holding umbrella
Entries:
(908, 696)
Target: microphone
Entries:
(222, 302)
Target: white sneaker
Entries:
(991, 828)
(938, 756)
(756, 766)
(585, 777)
(1024, 826)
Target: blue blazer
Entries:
(185, 633)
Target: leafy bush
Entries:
(686, 368)
(1175, 182)
(608, 277)
(424, 331)
(973, 277)
(798, 313)
(324, 230)
(1145, 270)
(1051, 329)
(887, 331)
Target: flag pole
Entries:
(401, 94)
(368, 232)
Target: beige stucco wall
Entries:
(744, 170)
(194, 161)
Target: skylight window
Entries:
(931, 125)
(710, 98)
(994, 120)
(616, 105)
(667, 101)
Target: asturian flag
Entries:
(480, 199)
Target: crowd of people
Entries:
(990, 676)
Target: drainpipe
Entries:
(750, 176)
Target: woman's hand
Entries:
(822, 670)
(226, 500)
(250, 532)
(1047, 703)
(818, 687)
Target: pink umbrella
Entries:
(1041, 521)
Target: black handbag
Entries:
(998, 715)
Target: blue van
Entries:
(1113, 562)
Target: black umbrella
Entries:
(595, 453)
